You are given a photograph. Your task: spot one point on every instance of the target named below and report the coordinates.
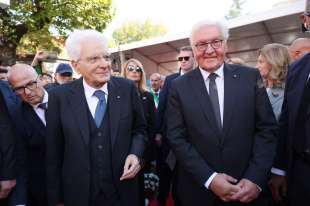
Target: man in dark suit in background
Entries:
(165, 168)
(25, 83)
(96, 131)
(292, 164)
(7, 151)
(221, 126)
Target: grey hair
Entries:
(219, 23)
(74, 40)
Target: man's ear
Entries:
(74, 64)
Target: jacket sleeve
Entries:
(7, 144)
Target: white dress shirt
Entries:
(220, 91)
(92, 100)
(39, 111)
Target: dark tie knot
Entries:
(212, 76)
(99, 94)
(43, 106)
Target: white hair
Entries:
(74, 40)
(219, 23)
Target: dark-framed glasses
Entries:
(134, 68)
(22, 89)
(215, 44)
(183, 58)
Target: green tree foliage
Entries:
(235, 9)
(29, 24)
(132, 31)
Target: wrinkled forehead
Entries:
(92, 47)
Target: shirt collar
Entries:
(219, 72)
(89, 90)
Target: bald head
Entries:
(299, 48)
(18, 72)
(23, 79)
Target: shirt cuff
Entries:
(208, 182)
(277, 171)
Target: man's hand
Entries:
(249, 191)
(131, 168)
(158, 139)
(40, 55)
(6, 187)
(222, 186)
(278, 187)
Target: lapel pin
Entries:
(235, 75)
(118, 97)
(144, 98)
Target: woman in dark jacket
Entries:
(134, 71)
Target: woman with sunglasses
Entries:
(133, 70)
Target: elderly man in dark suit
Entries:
(96, 131)
(7, 152)
(292, 165)
(220, 126)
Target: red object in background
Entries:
(168, 203)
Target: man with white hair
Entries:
(220, 126)
(95, 131)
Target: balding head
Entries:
(299, 48)
(23, 79)
(155, 79)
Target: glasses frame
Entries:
(134, 68)
(32, 85)
(215, 44)
(186, 58)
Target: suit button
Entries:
(99, 134)
(100, 147)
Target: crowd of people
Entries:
(217, 132)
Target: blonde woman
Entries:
(133, 70)
(273, 62)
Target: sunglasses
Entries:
(133, 68)
(183, 58)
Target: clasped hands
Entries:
(229, 189)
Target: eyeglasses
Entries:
(183, 58)
(133, 68)
(202, 46)
(31, 86)
(96, 59)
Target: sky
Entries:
(179, 15)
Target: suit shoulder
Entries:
(172, 77)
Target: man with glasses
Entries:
(220, 126)
(31, 150)
(292, 164)
(166, 166)
(96, 131)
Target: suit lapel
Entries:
(231, 85)
(200, 91)
(114, 107)
(34, 119)
(79, 105)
